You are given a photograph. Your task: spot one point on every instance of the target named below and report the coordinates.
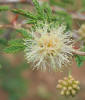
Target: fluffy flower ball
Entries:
(50, 47)
(68, 86)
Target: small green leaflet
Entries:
(16, 42)
(80, 59)
(15, 46)
(13, 49)
(24, 33)
(4, 8)
(3, 41)
(0, 66)
(24, 13)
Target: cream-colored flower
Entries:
(50, 47)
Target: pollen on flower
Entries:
(49, 49)
(50, 44)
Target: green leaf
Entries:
(31, 21)
(4, 8)
(65, 18)
(1, 31)
(83, 3)
(67, 1)
(24, 13)
(79, 60)
(37, 6)
(38, 9)
(62, 3)
(14, 49)
(54, 2)
(3, 41)
(47, 11)
(0, 66)
(16, 42)
(24, 33)
(17, 45)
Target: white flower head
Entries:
(50, 47)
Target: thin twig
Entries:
(7, 26)
(16, 2)
(7, 34)
(81, 53)
(16, 26)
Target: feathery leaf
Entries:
(24, 13)
(24, 33)
(4, 8)
(14, 49)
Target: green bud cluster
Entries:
(68, 86)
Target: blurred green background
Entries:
(17, 79)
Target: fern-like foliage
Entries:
(38, 8)
(43, 13)
(15, 46)
(62, 3)
(4, 8)
(24, 13)
(65, 18)
(24, 33)
(13, 49)
(80, 59)
(3, 42)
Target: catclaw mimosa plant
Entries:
(47, 43)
